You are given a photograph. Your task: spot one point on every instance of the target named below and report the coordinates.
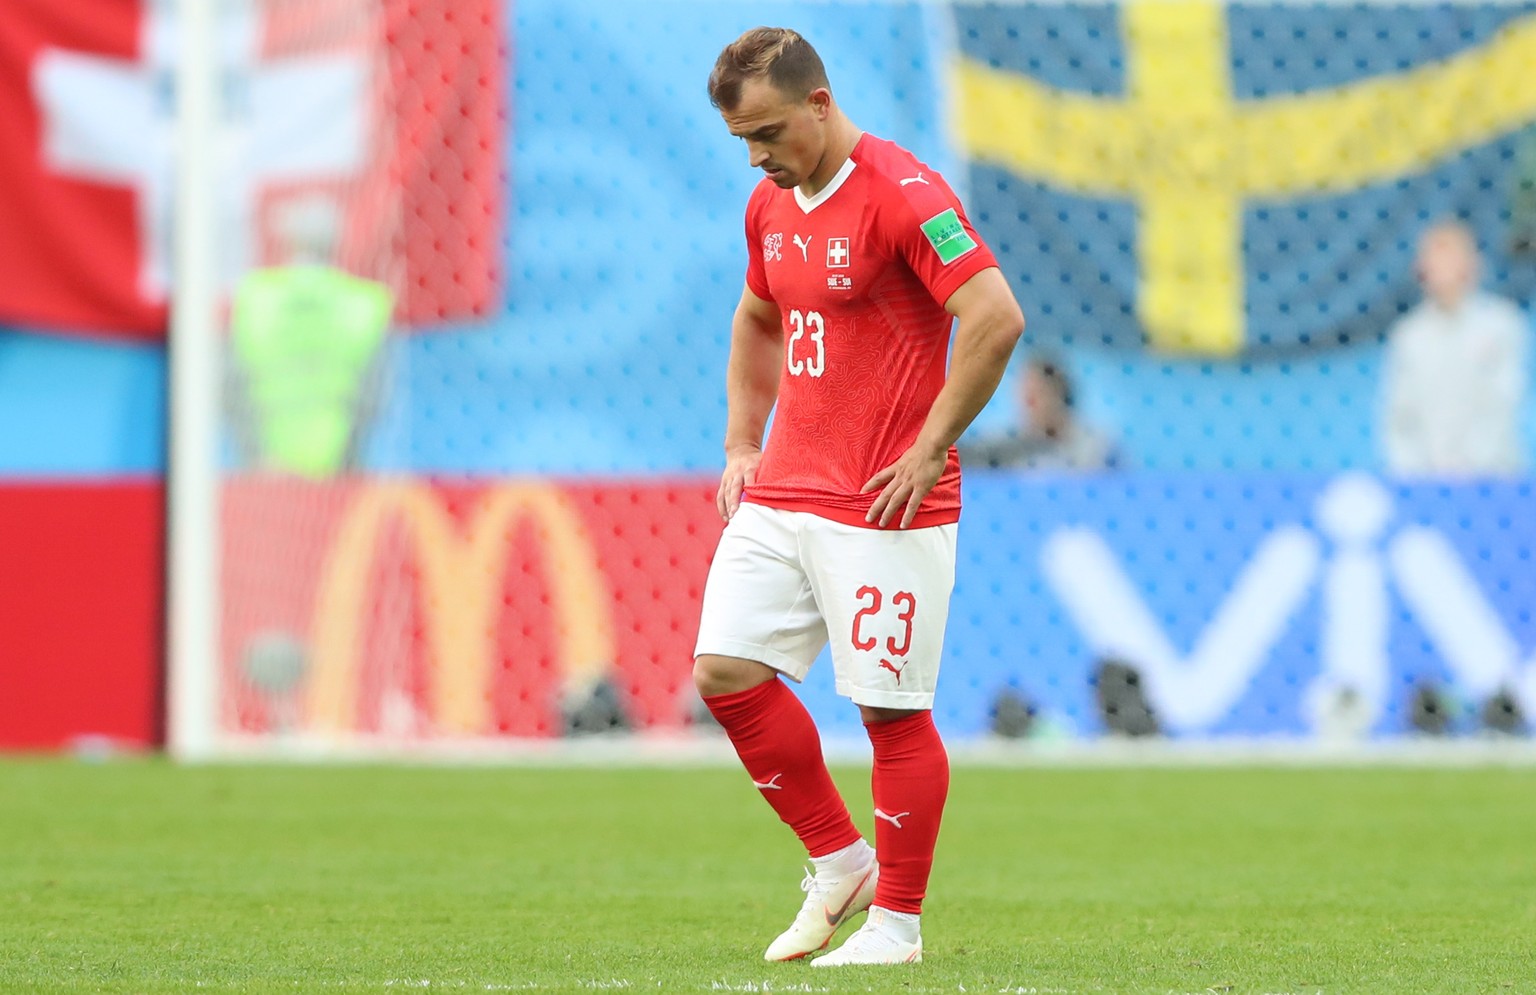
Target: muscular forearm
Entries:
(982, 347)
(752, 382)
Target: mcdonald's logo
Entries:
(462, 571)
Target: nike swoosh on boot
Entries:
(833, 920)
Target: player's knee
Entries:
(714, 675)
(705, 676)
(874, 716)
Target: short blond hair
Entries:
(779, 55)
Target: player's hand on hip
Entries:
(903, 485)
(740, 471)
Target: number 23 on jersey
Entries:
(806, 358)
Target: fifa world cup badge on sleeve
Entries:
(948, 236)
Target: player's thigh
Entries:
(885, 596)
(758, 601)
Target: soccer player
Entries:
(860, 258)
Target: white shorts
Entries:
(783, 582)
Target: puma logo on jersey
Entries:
(916, 179)
(772, 784)
(894, 820)
(888, 665)
(805, 248)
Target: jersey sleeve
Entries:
(929, 229)
(757, 273)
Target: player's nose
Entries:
(756, 155)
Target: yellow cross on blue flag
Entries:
(1219, 179)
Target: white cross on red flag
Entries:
(391, 109)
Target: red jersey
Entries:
(860, 273)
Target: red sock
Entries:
(778, 744)
(911, 781)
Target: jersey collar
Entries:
(809, 204)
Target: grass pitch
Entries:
(140, 877)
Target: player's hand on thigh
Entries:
(904, 484)
(740, 472)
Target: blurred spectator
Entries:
(1522, 200)
(1455, 371)
(1051, 437)
(306, 345)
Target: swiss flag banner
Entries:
(72, 251)
(388, 111)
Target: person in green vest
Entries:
(306, 342)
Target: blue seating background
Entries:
(625, 255)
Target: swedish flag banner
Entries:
(1219, 179)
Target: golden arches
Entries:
(461, 581)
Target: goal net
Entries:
(449, 406)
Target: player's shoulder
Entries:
(762, 196)
(899, 179)
(885, 158)
(763, 208)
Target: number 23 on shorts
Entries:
(871, 600)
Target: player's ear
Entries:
(821, 102)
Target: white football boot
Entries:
(881, 940)
(832, 896)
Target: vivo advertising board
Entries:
(1191, 607)
(1243, 606)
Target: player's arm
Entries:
(751, 388)
(989, 324)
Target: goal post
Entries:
(192, 479)
(338, 170)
